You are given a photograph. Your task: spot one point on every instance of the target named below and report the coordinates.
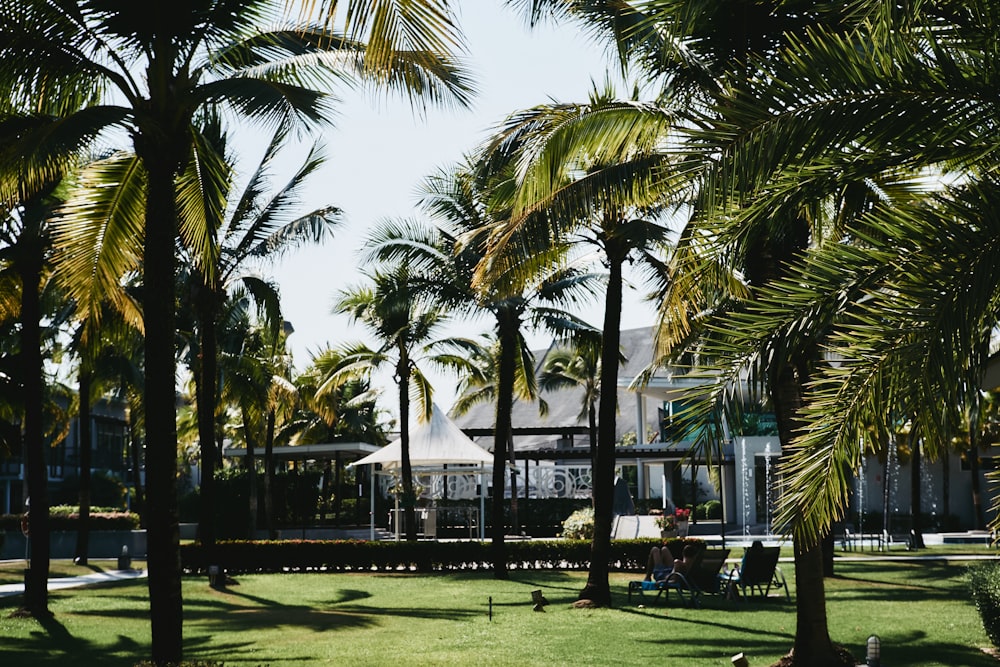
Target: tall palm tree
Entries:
(904, 345)
(445, 257)
(99, 370)
(601, 198)
(257, 228)
(702, 51)
(214, 52)
(916, 255)
(391, 309)
(347, 412)
(25, 252)
(482, 384)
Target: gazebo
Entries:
(434, 446)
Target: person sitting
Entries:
(661, 562)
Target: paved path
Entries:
(7, 590)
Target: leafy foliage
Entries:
(364, 556)
(984, 582)
(579, 525)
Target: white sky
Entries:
(379, 153)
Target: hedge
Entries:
(66, 520)
(984, 580)
(272, 556)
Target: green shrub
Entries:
(295, 498)
(66, 518)
(105, 489)
(984, 581)
(265, 556)
(579, 525)
(711, 509)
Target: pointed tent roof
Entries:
(433, 444)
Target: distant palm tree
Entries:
(345, 412)
(25, 258)
(445, 257)
(325, 413)
(602, 198)
(391, 310)
(101, 369)
(256, 229)
(577, 365)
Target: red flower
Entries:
(682, 513)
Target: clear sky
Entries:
(379, 152)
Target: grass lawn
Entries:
(921, 610)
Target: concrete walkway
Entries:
(7, 590)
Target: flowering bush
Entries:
(670, 521)
(579, 525)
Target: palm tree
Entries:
(257, 229)
(577, 366)
(211, 54)
(391, 309)
(704, 51)
(327, 413)
(559, 193)
(482, 383)
(24, 253)
(347, 412)
(99, 368)
(444, 258)
(916, 255)
(904, 344)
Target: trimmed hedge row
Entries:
(984, 580)
(59, 521)
(238, 557)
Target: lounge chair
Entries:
(756, 574)
(702, 577)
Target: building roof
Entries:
(564, 422)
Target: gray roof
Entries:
(565, 406)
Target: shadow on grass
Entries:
(52, 644)
(564, 583)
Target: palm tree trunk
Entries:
(977, 496)
(409, 497)
(592, 427)
(84, 438)
(164, 563)
(206, 396)
(269, 476)
(251, 463)
(502, 438)
(36, 598)
(813, 645)
(812, 639)
(135, 446)
(598, 588)
(915, 494)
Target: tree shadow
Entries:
(53, 644)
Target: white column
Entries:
(640, 438)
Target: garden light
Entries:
(874, 654)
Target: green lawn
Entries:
(921, 611)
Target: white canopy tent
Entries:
(434, 446)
